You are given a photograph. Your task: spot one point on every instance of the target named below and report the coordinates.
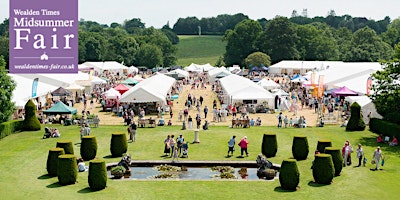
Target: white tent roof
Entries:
(112, 66)
(290, 65)
(366, 105)
(153, 89)
(181, 73)
(218, 73)
(268, 84)
(198, 68)
(239, 88)
(23, 91)
(280, 92)
(112, 94)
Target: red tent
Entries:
(344, 91)
(121, 88)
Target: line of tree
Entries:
(220, 24)
(282, 39)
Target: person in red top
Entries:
(234, 111)
(379, 139)
(243, 146)
(394, 142)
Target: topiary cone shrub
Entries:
(119, 144)
(289, 175)
(88, 147)
(52, 160)
(66, 145)
(337, 159)
(31, 122)
(269, 145)
(356, 122)
(322, 144)
(300, 148)
(323, 170)
(67, 170)
(97, 175)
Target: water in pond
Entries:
(192, 173)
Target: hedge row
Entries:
(383, 127)
(10, 127)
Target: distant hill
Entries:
(199, 49)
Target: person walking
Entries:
(231, 146)
(179, 143)
(133, 127)
(205, 111)
(280, 118)
(175, 154)
(243, 146)
(346, 153)
(360, 154)
(377, 157)
(190, 122)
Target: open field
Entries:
(23, 162)
(199, 49)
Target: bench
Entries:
(151, 122)
(245, 123)
(92, 122)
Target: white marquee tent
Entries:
(199, 68)
(268, 84)
(237, 89)
(23, 92)
(111, 66)
(180, 73)
(300, 67)
(153, 89)
(366, 106)
(218, 73)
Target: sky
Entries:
(157, 13)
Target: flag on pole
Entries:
(34, 87)
(321, 85)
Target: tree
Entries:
(241, 41)
(386, 87)
(149, 55)
(133, 26)
(279, 40)
(258, 59)
(4, 51)
(7, 86)
(367, 46)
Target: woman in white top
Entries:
(377, 156)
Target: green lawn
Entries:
(199, 49)
(23, 166)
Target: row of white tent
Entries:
(353, 75)
(48, 83)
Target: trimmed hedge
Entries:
(289, 175)
(383, 127)
(356, 122)
(67, 170)
(10, 127)
(337, 159)
(52, 160)
(322, 144)
(66, 145)
(88, 147)
(300, 148)
(97, 175)
(323, 170)
(269, 145)
(31, 122)
(119, 144)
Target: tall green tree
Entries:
(4, 51)
(386, 87)
(7, 86)
(241, 41)
(367, 46)
(149, 55)
(279, 40)
(258, 59)
(134, 26)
